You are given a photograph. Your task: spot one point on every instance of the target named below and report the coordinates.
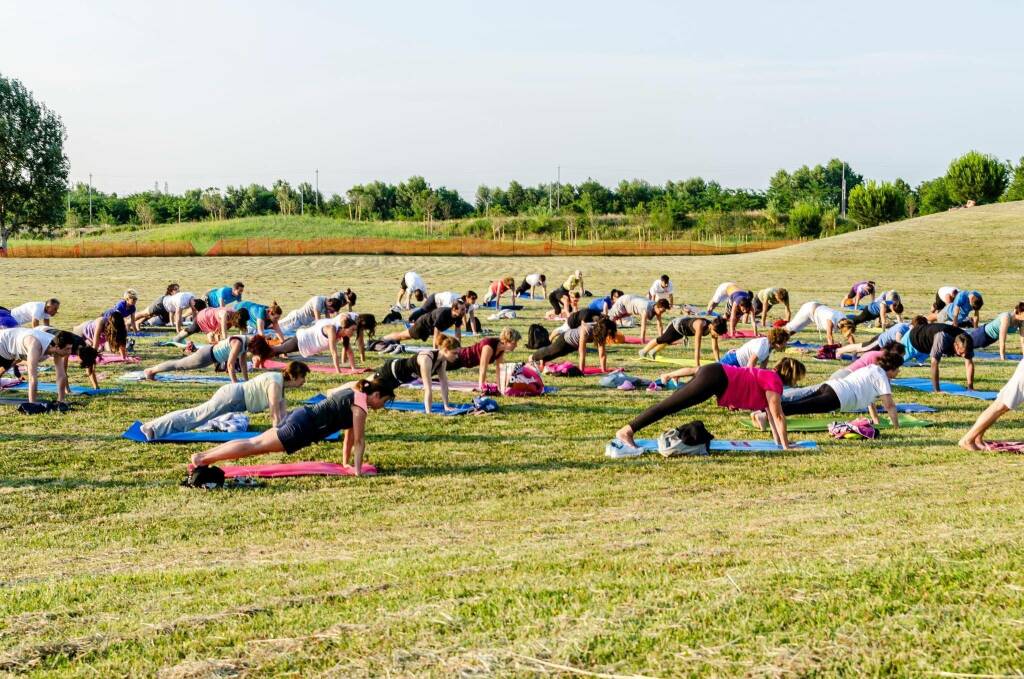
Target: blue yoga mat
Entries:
(134, 433)
(994, 355)
(722, 445)
(412, 406)
(924, 384)
(136, 376)
(51, 388)
(908, 408)
(504, 307)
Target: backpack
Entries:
(206, 477)
(537, 337)
(827, 352)
(855, 429)
(392, 317)
(473, 325)
(521, 380)
(695, 433)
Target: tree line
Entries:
(35, 198)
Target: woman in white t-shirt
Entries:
(180, 305)
(30, 314)
(860, 389)
(825, 319)
(264, 392)
(1010, 397)
(322, 336)
(33, 346)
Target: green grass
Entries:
(508, 545)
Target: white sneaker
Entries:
(642, 353)
(618, 450)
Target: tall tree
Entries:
(33, 167)
(978, 177)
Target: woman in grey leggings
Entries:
(266, 392)
(229, 352)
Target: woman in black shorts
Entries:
(601, 332)
(689, 326)
(424, 366)
(431, 326)
(344, 408)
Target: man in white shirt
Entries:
(530, 283)
(412, 286)
(1010, 397)
(30, 314)
(34, 346)
(662, 289)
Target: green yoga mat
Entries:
(682, 362)
(813, 424)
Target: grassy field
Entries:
(508, 545)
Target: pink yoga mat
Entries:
(633, 340)
(106, 359)
(316, 367)
(275, 470)
(741, 334)
(1005, 446)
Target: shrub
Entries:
(933, 196)
(1016, 189)
(976, 176)
(875, 203)
(805, 219)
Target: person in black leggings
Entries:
(692, 326)
(601, 333)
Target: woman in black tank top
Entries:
(342, 409)
(424, 366)
(693, 326)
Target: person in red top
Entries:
(499, 288)
(215, 323)
(486, 351)
(736, 388)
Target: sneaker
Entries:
(626, 386)
(642, 353)
(618, 450)
(653, 386)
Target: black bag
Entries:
(473, 325)
(33, 408)
(537, 337)
(695, 433)
(392, 317)
(206, 477)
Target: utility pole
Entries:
(302, 209)
(558, 190)
(842, 201)
(90, 199)
(316, 195)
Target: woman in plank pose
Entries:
(739, 303)
(756, 352)
(1010, 397)
(561, 299)
(228, 354)
(697, 327)
(315, 308)
(33, 346)
(322, 336)
(765, 299)
(157, 313)
(262, 316)
(423, 366)
(601, 333)
(490, 350)
(224, 295)
(344, 409)
(735, 388)
(215, 323)
(825, 319)
(106, 331)
(999, 328)
(498, 288)
(628, 306)
(87, 355)
(530, 284)
(264, 392)
(859, 389)
(858, 291)
(879, 310)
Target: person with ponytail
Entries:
(601, 332)
(215, 322)
(424, 366)
(108, 330)
(485, 352)
(998, 328)
(157, 309)
(498, 288)
(322, 336)
(316, 308)
(87, 355)
(756, 352)
(689, 326)
(344, 409)
(264, 392)
(735, 388)
(228, 354)
(347, 297)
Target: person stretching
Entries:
(531, 282)
(344, 409)
(443, 300)
(498, 288)
(735, 388)
(765, 299)
(739, 302)
(179, 305)
(883, 340)
(423, 366)
(662, 288)
(756, 352)
(263, 392)
(156, 310)
(998, 328)
(31, 314)
(87, 356)
(857, 390)
(228, 354)
(575, 320)
(858, 291)
(604, 304)
(315, 308)
(431, 326)
(943, 297)
(560, 300)
(225, 295)
(485, 352)
(33, 346)
(825, 319)
(601, 333)
(108, 330)
(215, 323)
(878, 310)
(126, 308)
(628, 306)
(689, 326)
(347, 297)
(935, 340)
(262, 316)
(1010, 398)
(958, 312)
(412, 285)
(324, 335)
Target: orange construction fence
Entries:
(104, 249)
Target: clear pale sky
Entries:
(214, 93)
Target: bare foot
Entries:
(147, 431)
(970, 444)
(149, 374)
(759, 419)
(197, 460)
(626, 436)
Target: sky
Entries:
(201, 94)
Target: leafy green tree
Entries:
(933, 196)
(805, 219)
(978, 177)
(1015, 191)
(876, 203)
(33, 167)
